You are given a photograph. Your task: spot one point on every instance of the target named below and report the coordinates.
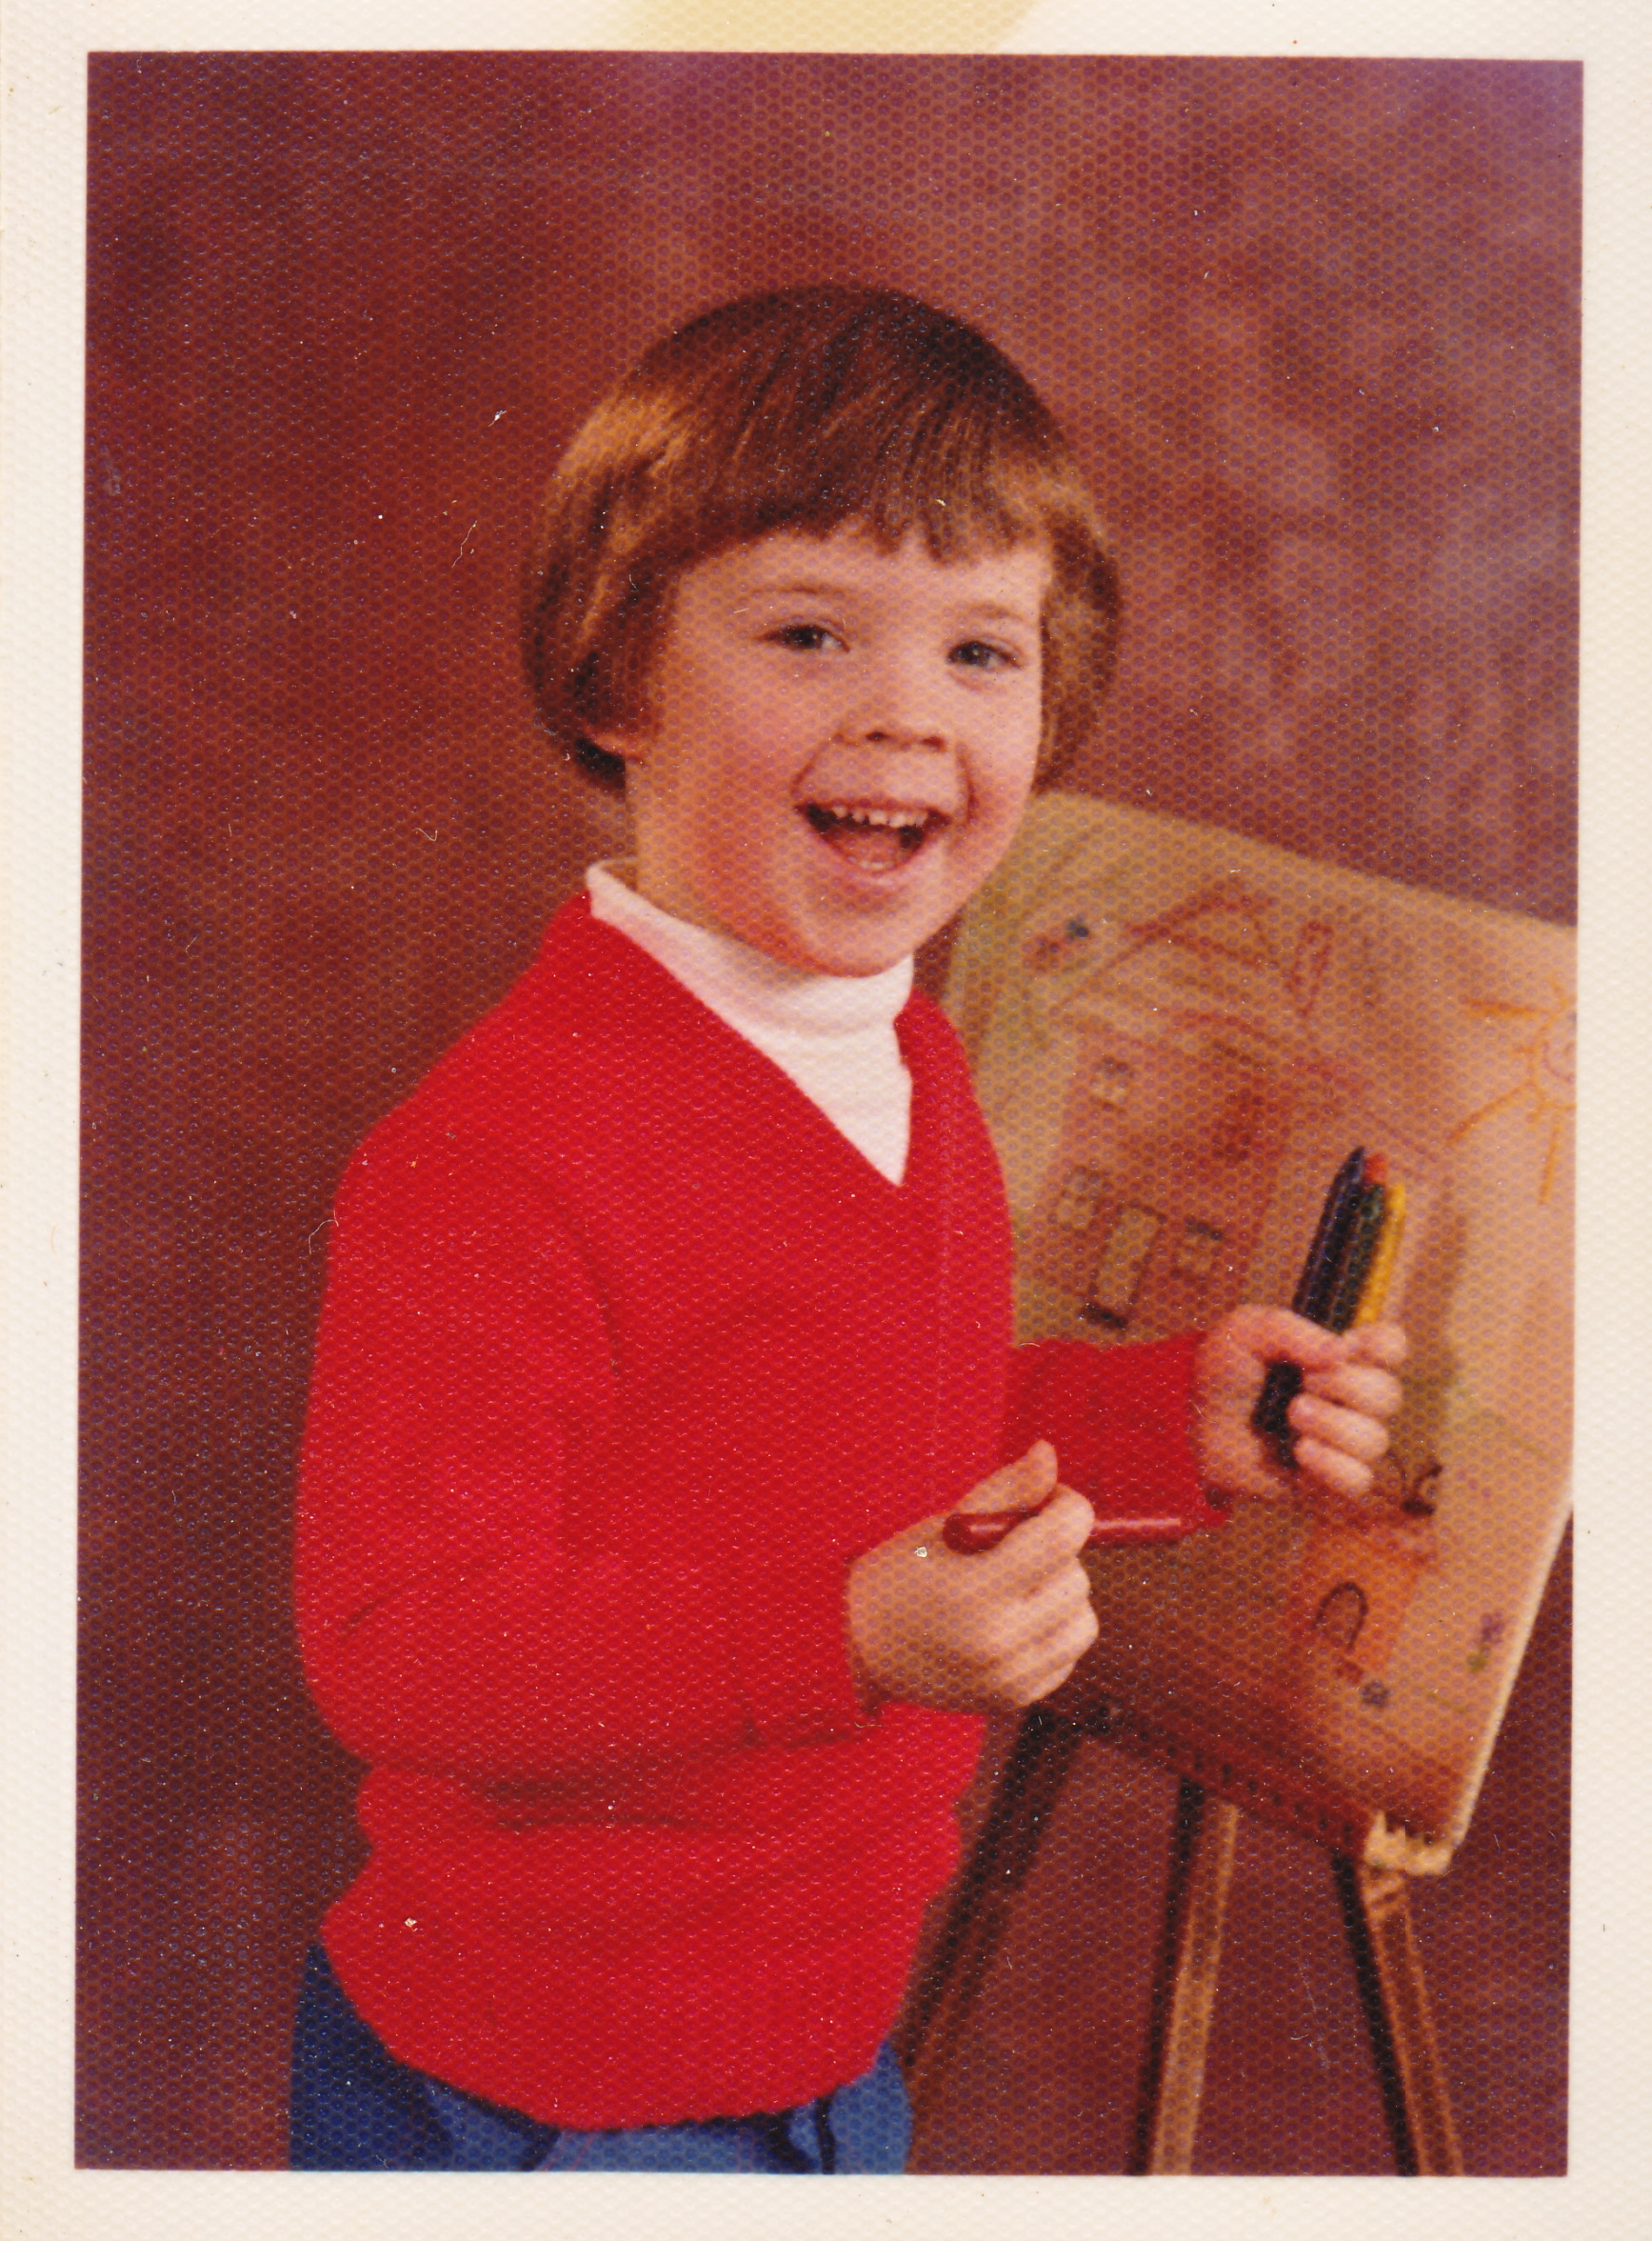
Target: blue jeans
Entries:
(356, 2107)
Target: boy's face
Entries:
(839, 744)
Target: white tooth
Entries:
(900, 820)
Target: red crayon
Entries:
(972, 1531)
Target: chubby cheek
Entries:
(749, 837)
(997, 819)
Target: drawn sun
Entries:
(1550, 1083)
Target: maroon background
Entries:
(1314, 327)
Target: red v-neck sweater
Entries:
(626, 1355)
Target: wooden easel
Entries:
(1376, 1910)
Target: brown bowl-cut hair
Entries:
(802, 410)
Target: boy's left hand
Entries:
(1340, 1418)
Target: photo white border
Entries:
(43, 49)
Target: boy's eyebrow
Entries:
(794, 588)
(813, 587)
(993, 611)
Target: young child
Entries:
(669, 1317)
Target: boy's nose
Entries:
(897, 709)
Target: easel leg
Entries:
(1026, 1794)
(1377, 1909)
(1185, 1984)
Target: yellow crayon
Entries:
(1375, 1290)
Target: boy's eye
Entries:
(976, 653)
(803, 637)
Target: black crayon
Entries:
(1325, 1257)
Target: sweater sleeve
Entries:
(450, 1621)
(1120, 1419)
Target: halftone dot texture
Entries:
(1312, 326)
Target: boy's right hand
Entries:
(978, 1634)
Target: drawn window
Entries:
(1111, 1083)
(1081, 1194)
(1118, 1276)
(1196, 1252)
(1235, 1126)
(1342, 1614)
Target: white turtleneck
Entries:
(833, 1035)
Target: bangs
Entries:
(831, 407)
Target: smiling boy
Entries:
(669, 1316)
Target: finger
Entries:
(1040, 1549)
(1048, 1602)
(1063, 1650)
(1384, 1344)
(1065, 1642)
(1021, 1636)
(1349, 1431)
(1276, 1334)
(1334, 1469)
(1016, 1486)
(1038, 1629)
(1356, 1385)
(1046, 1662)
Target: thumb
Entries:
(1021, 1485)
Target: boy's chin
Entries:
(852, 951)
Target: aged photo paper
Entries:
(300, 305)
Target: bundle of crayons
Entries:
(1344, 1280)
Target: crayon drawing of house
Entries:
(1151, 1207)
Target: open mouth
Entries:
(874, 839)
